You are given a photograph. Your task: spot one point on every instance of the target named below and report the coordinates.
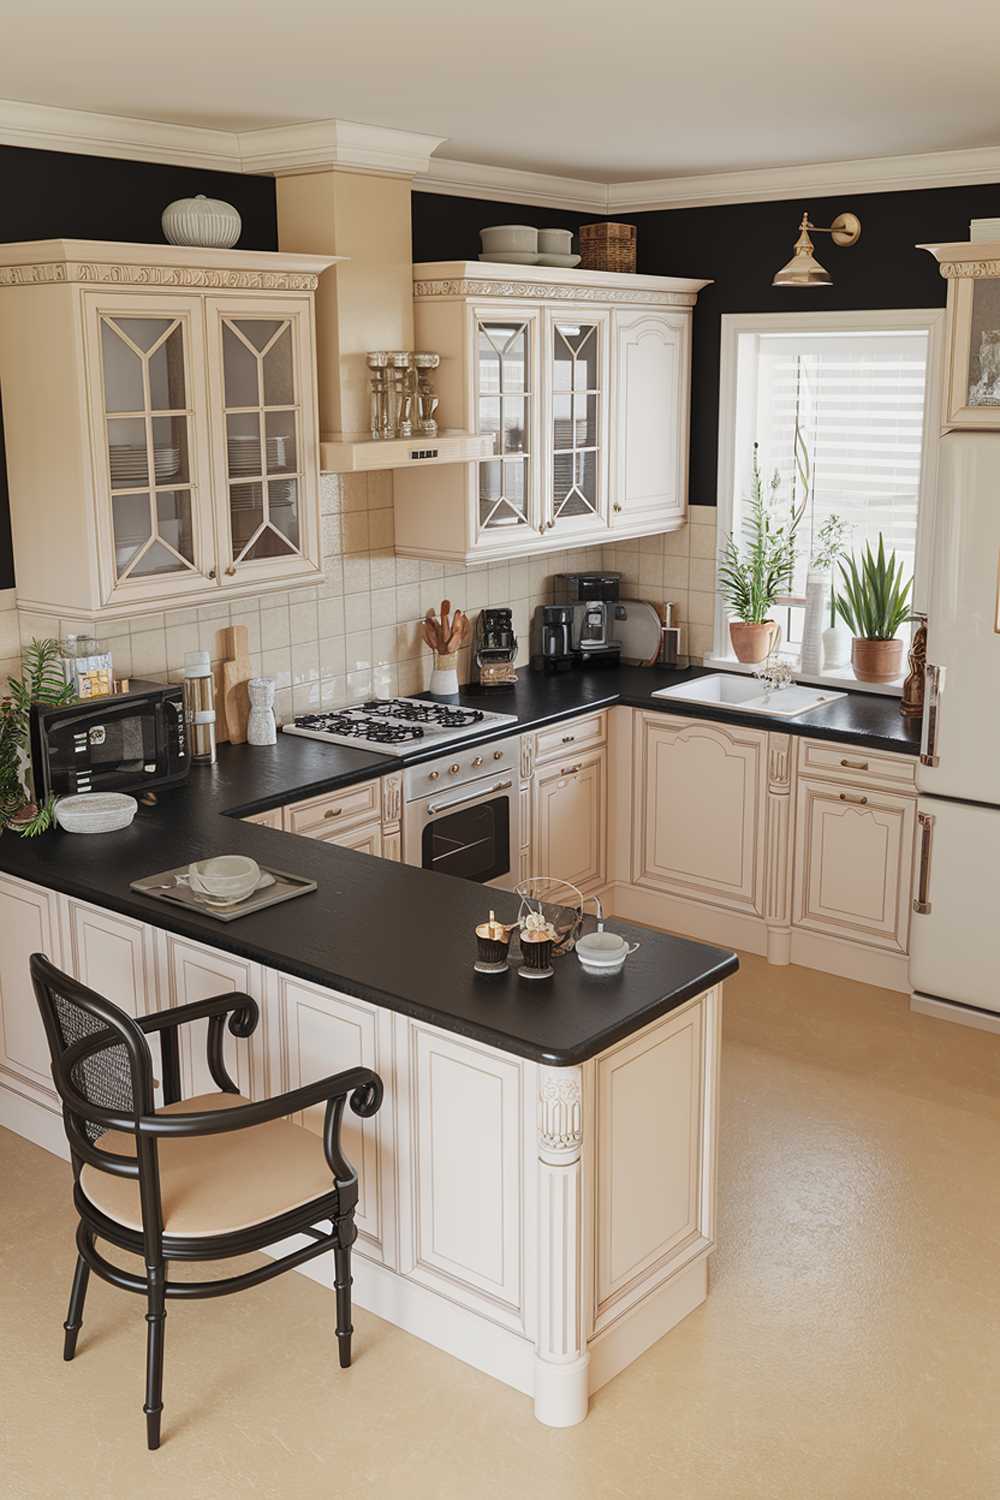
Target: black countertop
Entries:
(398, 936)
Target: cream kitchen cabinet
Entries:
(29, 923)
(365, 816)
(160, 423)
(569, 819)
(582, 379)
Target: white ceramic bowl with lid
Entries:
(227, 877)
(603, 952)
(555, 241)
(507, 237)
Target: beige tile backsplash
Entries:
(357, 633)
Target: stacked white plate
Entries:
(95, 812)
(243, 451)
(130, 465)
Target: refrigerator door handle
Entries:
(934, 687)
(921, 901)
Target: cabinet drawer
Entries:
(270, 819)
(846, 763)
(322, 817)
(569, 737)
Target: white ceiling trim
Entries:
(347, 144)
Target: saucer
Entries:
(566, 261)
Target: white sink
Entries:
(749, 696)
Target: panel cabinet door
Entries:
(29, 923)
(652, 357)
(575, 421)
(506, 404)
(366, 840)
(853, 863)
(195, 972)
(569, 820)
(701, 792)
(113, 955)
(264, 437)
(145, 361)
(322, 1032)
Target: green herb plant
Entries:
(754, 572)
(42, 682)
(874, 602)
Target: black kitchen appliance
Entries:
(554, 624)
(496, 648)
(125, 743)
(594, 597)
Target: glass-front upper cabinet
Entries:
(266, 439)
(576, 420)
(506, 391)
(149, 441)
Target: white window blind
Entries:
(857, 400)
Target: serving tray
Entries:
(285, 888)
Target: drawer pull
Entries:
(333, 812)
(569, 770)
(860, 801)
(568, 739)
(854, 765)
(922, 900)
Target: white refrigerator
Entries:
(955, 928)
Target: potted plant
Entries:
(830, 545)
(874, 604)
(43, 682)
(754, 573)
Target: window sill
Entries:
(841, 679)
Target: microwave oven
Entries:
(131, 741)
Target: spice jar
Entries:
(492, 944)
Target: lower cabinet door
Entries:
(29, 923)
(569, 820)
(194, 972)
(853, 863)
(366, 840)
(701, 790)
(113, 955)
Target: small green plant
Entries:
(831, 542)
(754, 574)
(42, 682)
(874, 602)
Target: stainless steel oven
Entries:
(461, 813)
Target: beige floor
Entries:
(850, 1346)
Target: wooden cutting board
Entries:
(232, 707)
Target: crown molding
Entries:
(46, 128)
(320, 144)
(463, 179)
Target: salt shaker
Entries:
(261, 728)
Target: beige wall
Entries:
(9, 639)
(358, 632)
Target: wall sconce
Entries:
(804, 269)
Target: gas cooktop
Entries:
(397, 726)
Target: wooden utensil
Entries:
(235, 674)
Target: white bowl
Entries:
(95, 812)
(603, 952)
(227, 877)
(555, 241)
(510, 237)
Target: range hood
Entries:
(364, 302)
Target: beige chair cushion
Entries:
(215, 1184)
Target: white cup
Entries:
(555, 241)
(227, 877)
(603, 952)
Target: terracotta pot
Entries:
(876, 661)
(752, 642)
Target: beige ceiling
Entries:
(608, 89)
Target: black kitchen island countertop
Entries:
(398, 936)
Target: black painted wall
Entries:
(741, 246)
(54, 195)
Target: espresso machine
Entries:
(495, 649)
(593, 597)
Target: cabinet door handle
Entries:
(212, 573)
(921, 901)
(333, 812)
(231, 570)
(616, 508)
(933, 688)
(847, 797)
(568, 739)
(569, 770)
(855, 765)
(551, 522)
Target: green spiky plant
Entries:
(753, 574)
(42, 682)
(874, 602)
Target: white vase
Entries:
(836, 648)
(816, 613)
(261, 728)
(207, 222)
(444, 678)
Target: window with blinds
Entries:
(854, 402)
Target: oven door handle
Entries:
(477, 796)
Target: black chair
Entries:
(199, 1179)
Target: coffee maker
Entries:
(496, 648)
(555, 639)
(594, 597)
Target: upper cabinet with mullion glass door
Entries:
(265, 439)
(505, 374)
(575, 406)
(147, 390)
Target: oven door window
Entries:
(471, 842)
(117, 748)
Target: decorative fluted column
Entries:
(778, 850)
(561, 1357)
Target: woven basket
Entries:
(607, 247)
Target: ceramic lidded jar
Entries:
(207, 222)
